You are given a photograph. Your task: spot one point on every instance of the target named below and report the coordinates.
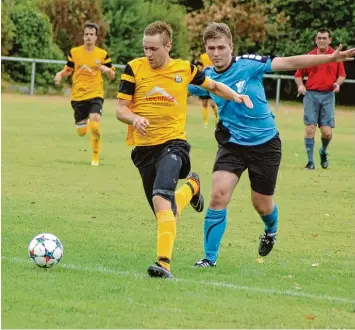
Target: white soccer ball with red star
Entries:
(46, 250)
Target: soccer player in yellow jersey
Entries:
(152, 101)
(203, 62)
(87, 63)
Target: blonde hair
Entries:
(159, 27)
(217, 30)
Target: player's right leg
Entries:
(168, 165)
(82, 127)
(311, 113)
(95, 109)
(144, 159)
(81, 114)
(228, 167)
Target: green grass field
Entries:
(109, 232)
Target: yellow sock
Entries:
(166, 237)
(183, 195)
(205, 115)
(95, 139)
(215, 111)
(81, 129)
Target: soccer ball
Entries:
(46, 250)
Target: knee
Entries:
(95, 117)
(263, 208)
(162, 202)
(327, 134)
(219, 199)
(310, 131)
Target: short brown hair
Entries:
(91, 25)
(159, 27)
(217, 30)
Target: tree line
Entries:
(49, 28)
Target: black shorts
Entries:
(148, 159)
(82, 109)
(262, 162)
(207, 97)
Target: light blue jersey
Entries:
(245, 76)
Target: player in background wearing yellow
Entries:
(203, 62)
(87, 63)
(152, 100)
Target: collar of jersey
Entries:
(227, 68)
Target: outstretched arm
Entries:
(306, 61)
(227, 93)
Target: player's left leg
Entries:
(263, 167)
(96, 138)
(326, 123)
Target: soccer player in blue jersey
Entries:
(247, 138)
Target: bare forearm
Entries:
(65, 73)
(299, 81)
(340, 80)
(124, 114)
(223, 91)
(299, 62)
(111, 74)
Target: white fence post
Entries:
(33, 77)
(278, 86)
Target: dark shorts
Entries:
(262, 162)
(319, 108)
(82, 109)
(207, 97)
(161, 166)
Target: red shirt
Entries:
(322, 77)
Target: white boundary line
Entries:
(287, 293)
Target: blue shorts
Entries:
(319, 108)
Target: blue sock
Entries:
(214, 228)
(309, 143)
(271, 221)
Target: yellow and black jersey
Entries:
(87, 77)
(204, 61)
(160, 96)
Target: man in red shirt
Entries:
(323, 81)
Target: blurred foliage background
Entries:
(49, 28)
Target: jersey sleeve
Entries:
(197, 90)
(257, 64)
(300, 73)
(127, 85)
(197, 77)
(108, 62)
(70, 62)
